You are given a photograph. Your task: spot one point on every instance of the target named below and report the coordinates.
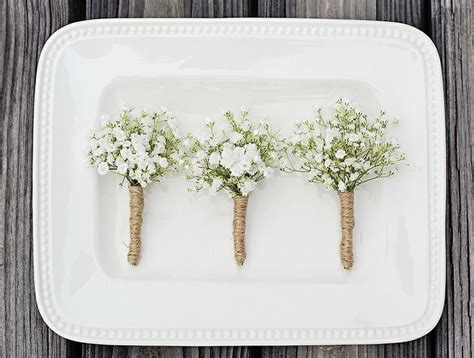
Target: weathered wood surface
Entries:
(25, 26)
(451, 23)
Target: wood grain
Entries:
(329, 9)
(451, 25)
(24, 27)
(97, 9)
(416, 13)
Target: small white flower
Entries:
(331, 134)
(354, 176)
(340, 154)
(110, 159)
(126, 153)
(122, 168)
(125, 144)
(349, 161)
(247, 187)
(214, 158)
(159, 148)
(163, 162)
(256, 159)
(353, 137)
(175, 156)
(327, 180)
(341, 186)
(267, 172)
(103, 168)
(119, 134)
(234, 137)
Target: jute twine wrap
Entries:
(240, 212)
(346, 200)
(136, 211)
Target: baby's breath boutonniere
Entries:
(141, 147)
(344, 152)
(232, 155)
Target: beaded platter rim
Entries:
(301, 28)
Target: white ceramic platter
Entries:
(187, 289)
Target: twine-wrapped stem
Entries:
(136, 212)
(346, 200)
(240, 212)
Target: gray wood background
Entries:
(24, 27)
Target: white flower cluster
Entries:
(140, 146)
(233, 155)
(344, 151)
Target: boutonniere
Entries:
(342, 152)
(142, 148)
(233, 155)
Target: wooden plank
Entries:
(92, 350)
(451, 24)
(417, 348)
(416, 13)
(25, 27)
(3, 311)
(97, 9)
(328, 9)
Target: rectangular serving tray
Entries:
(187, 289)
